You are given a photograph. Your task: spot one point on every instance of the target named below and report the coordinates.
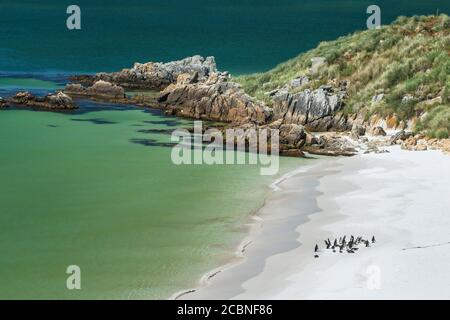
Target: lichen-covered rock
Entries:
(216, 99)
(378, 131)
(291, 136)
(331, 144)
(154, 75)
(358, 129)
(317, 110)
(414, 144)
(298, 82)
(100, 89)
(400, 136)
(53, 101)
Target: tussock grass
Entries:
(409, 57)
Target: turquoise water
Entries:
(96, 189)
(244, 35)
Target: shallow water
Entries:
(85, 189)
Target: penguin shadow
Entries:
(344, 245)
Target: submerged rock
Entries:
(53, 101)
(154, 75)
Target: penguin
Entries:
(367, 244)
(316, 249)
(373, 239)
(335, 243)
(316, 256)
(327, 244)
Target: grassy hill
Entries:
(408, 62)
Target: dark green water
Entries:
(244, 35)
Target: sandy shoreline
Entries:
(400, 197)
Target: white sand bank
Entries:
(402, 198)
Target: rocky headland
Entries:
(314, 100)
(152, 75)
(215, 98)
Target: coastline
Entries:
(255, 225)
(408, 260)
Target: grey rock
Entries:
(358, 129)
(400, 136)
(298, 82)
(407, 98)
(316, 64)
(315, 109)
(154, 75)
(100, 89)
(52, 101)
(378, 131)
(216, 99)
(378, 98)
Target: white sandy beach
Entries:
(402, 198)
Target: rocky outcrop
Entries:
(291, 136)
(216, 99)
(378, 131)
(3, 103)
(317, 110)
(358, 131)
(400, 136)
(331, 144)
(53, 101)
(153, 75)
(414, 144)
(100, 89)
(442, 144)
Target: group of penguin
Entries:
(351, 246)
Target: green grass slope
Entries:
(410, 57)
